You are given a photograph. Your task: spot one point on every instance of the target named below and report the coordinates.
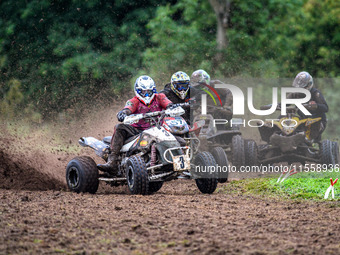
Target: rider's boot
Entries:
(111, 166)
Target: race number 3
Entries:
(181, 160)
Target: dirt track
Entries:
(178, 219)
(38, 215)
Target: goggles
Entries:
(146, 92)
(181, 85)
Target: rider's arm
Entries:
(321, 103)
(129, 108)
(132, 105)
(163, 100)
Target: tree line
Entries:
(57, 53)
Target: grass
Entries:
(305, 185)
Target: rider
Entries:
(200, 81)
(146, 100)
(318, 106)
(178, 91)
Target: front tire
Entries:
(82, 175)
(250, 153)
(237, 151)
(326, 153)
(206, 185)
(137, 176)
(155, 186)
(222, 160)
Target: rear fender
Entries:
(100, 148)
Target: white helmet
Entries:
(145, 89)
(200, 76)
(303, 80)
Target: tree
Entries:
(64, 52)
(222, 11)
(183, 39)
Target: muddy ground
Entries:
(178, 219)
(39, 216)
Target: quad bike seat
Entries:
(107, 139)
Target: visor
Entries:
(145, 93)
(181, 85)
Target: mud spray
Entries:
(35, 157)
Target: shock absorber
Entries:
(153, 155)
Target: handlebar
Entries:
(134, 118)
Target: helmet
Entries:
(145, 89)
(200, 76)
(180, 82)
(303, 80)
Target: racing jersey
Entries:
(159, 103)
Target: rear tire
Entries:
(336, 152)
(137, 176)
(222, 160)
(237, 151)
(250, 153)
(82, 175)
(155, 186)
(326, 153)
(206, 185)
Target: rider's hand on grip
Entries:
(312, 106)
(121, 116)
(172, 106)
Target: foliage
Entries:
(328, 86)
(66, 52)
(268, 38)
(183, 37)
(69, 51)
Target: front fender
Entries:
(163, 146)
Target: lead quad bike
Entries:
(292, 139)
(147, 160)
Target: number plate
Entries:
(181, 162)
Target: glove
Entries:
(172, 106)
(312, 106)
(121, 116)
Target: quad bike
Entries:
(223, 144)
(147, 160)
(292, 139)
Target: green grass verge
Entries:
(306, 185)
